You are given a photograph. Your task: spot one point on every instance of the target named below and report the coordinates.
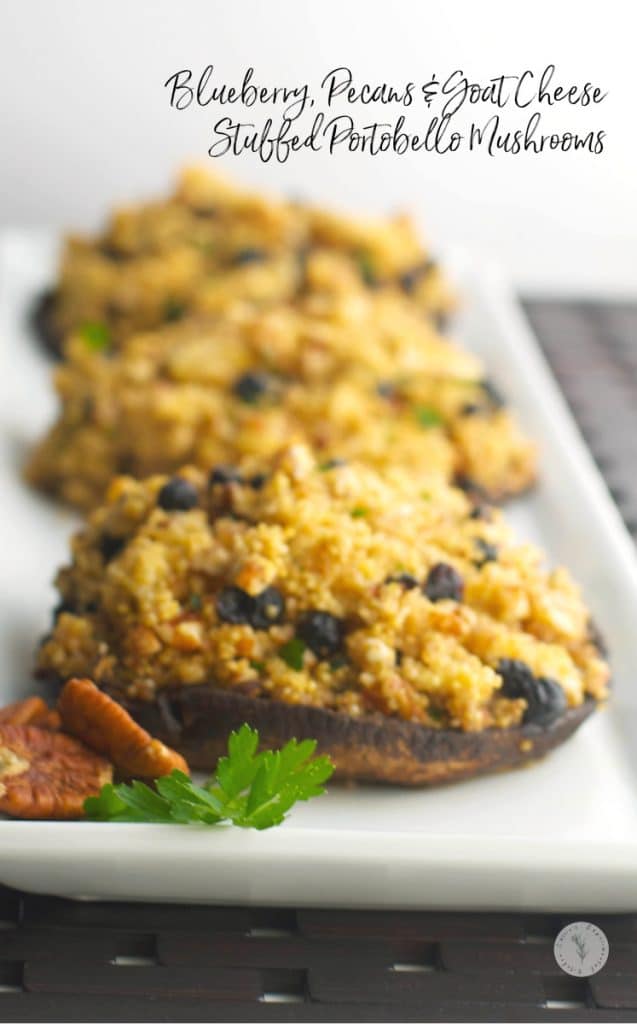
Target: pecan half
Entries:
(45, 774)
(104, 725)
(32, 711)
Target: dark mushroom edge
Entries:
(42, 322)
(196, 721)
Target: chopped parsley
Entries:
(173, 310)
(292, 653)
(428, 417)
(96, 336)
(248, 789)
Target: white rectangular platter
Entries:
(558, 836)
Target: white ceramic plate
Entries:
(561, 835)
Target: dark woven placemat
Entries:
(67, 961)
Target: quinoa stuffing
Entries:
(278, 592)
(358, 374)
(209, 245)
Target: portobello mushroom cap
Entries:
(42, 319)
(196, 721)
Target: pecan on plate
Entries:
(31, 711)
(45, 774)
(104, 725)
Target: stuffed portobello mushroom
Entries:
(358, 374)
(209, 245)
(398, 624)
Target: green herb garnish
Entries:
(292, 653)
(248, 789)
(258, 666)
(367, 268)
(95, 336)
(359, 512)
(173, 310)
(194, 602)
(428, 417)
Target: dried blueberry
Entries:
(480, 512)
(64, 606)
(322, 632)
(111, 252)
(110, 546)
(470, 486)
(249, 255)
(470, 409)
(177, 495)
(405, 579)
(251, 386)
(174, 310)
(410, 279)
(225, 475)
(269, 608)
(545, 698)
(236, 606)
(487, 552)
(258, 481)
(444, 583)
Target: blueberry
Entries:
(480, 512)
(410, 279)
(470, 486)
(494, 395)
(225, 475)
(177, 495)
(251, 386)
(470, 409)
(173, 310)
(236, 606)
(64, 606)
(444, 582)
(545, 698)
(406, 580)
(488, 552)
(110, 546)
(249, 255)
(258, 481)
(269, 608)
(322, 632)
(111, 252)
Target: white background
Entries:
(86, 120)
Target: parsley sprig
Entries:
(248, 789)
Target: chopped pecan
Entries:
(45, 774)
(32, 711)
(105, 726)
